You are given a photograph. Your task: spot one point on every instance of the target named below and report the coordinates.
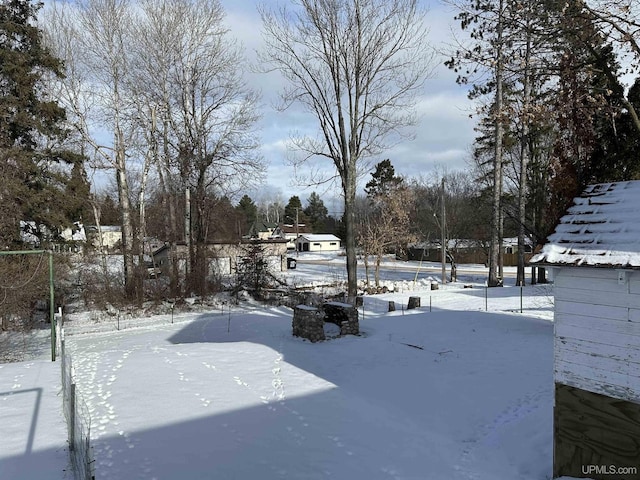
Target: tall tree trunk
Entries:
(350, 233)
(494, 279)
(101, 252)
(525, 150)
(377, 270)
(130, 287)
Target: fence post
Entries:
(520, 298)
(72, 416)
(486, 295)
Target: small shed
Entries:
(318, 243)
(593, 258)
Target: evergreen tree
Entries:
(615, 156)
(247, 208)
(109, 211)
(293, 211)
(33, 174)
(77, 193)
(253, 270)
(588, 98)
(316, 212)
(383, 180)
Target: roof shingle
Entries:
(601, 229)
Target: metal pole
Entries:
(486, 294)
(72, 416)
(520, 298)
(443, 223)
(52, 316)
(297, 232)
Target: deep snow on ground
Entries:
(458, 389)
(32, 428)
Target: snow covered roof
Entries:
(317, 237)
(601, 229)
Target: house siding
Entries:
(223, 258)
(597, 332)
(318, 243)
(596, 371)
(594, 253)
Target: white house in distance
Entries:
(310, 242)
(223, 257)
(593, 257)
(292, 232)
(107, 236)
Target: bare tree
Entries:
(167, 82)
(92, 37)
(385, 226)
(356, 66)
(200, 115)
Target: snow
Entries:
(452, 390)
(602, 228)
(32, 427)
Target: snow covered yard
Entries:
(446, 394)
(447, 391)
(32, 428)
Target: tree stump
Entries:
(414, 302)
(392, 306)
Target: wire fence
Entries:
(78, 419)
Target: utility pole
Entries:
(443, 226)
(297, 232)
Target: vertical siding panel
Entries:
(597, 332)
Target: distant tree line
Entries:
(154, 93)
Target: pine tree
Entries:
(316, 212)
(247, 208)
(293, 211)
(33, 174)
(382, 180)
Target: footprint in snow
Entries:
(240, 382)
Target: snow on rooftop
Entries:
(320, 237)
(601, 229)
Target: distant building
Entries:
(310, 242)
(223, 257)
(107, 236)
(292, 232)
(468, 251)
(263, 230)
(76, 233)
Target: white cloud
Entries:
(443, 135)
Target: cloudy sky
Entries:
(443, 135)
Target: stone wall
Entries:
(344, 315)
(308, 322)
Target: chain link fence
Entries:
(78, 419)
